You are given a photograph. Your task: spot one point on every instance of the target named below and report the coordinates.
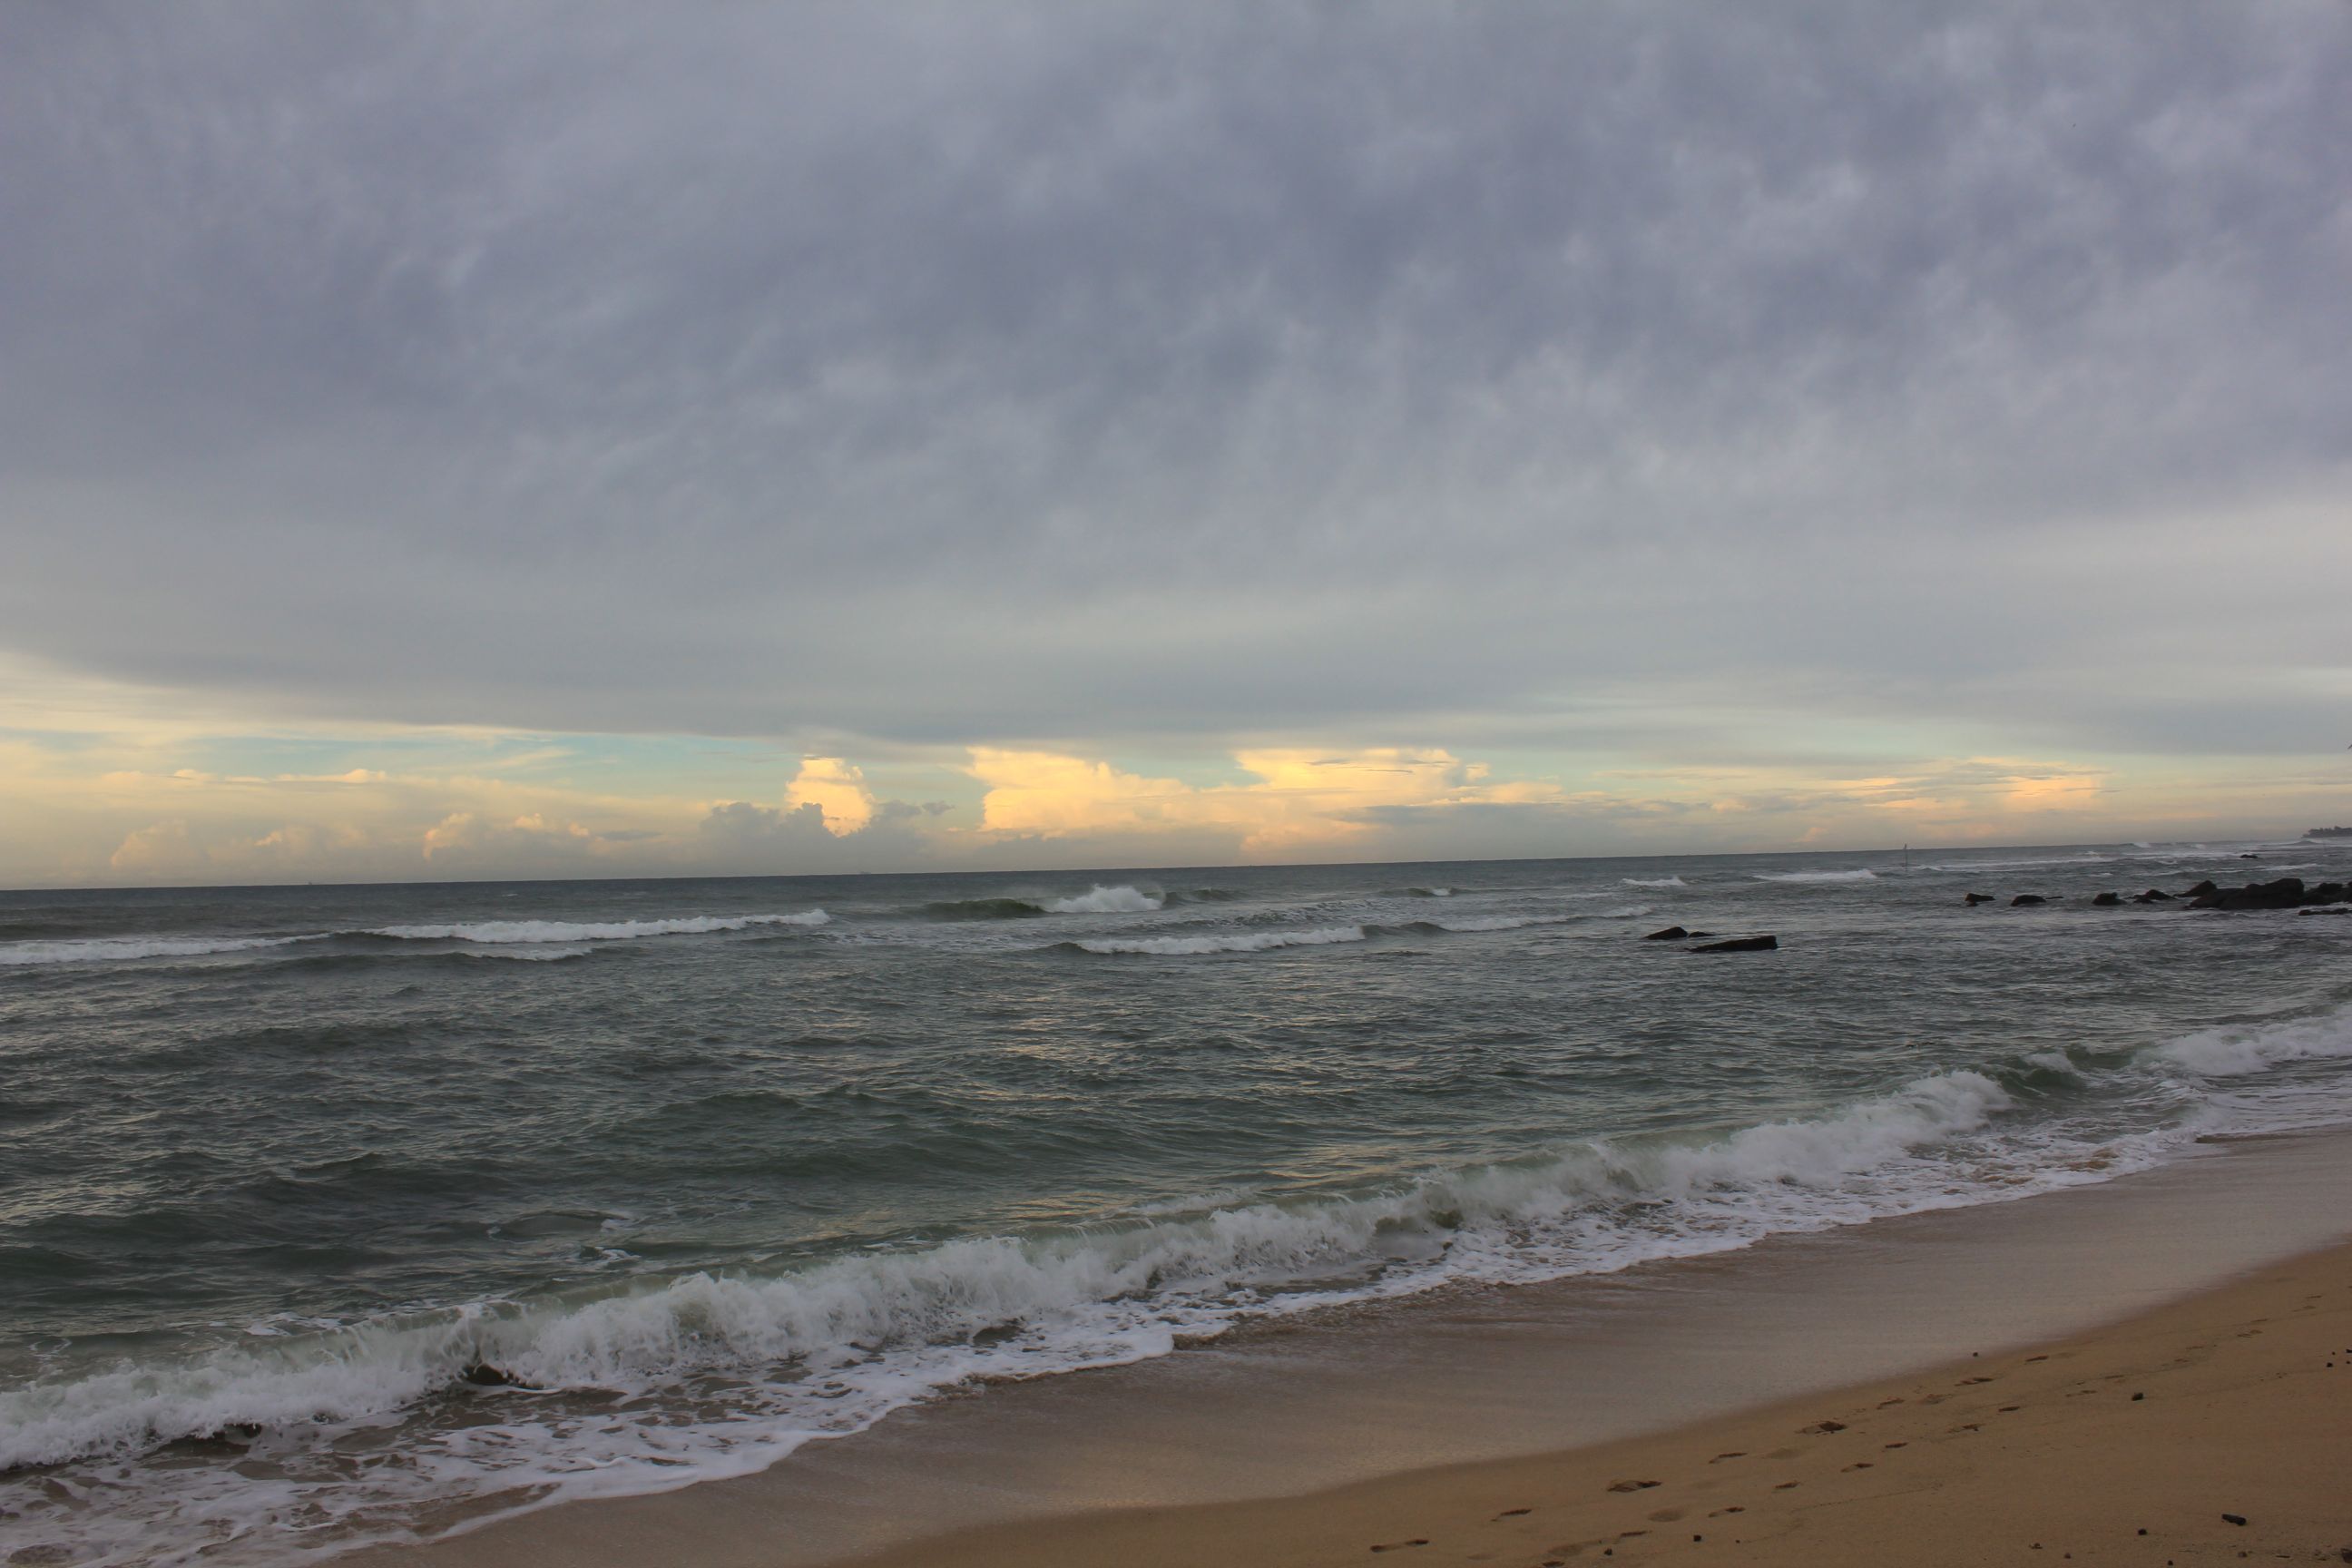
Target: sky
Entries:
(442, 441)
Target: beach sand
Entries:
(2213, 1430)
(1774, 1396)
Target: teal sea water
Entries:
(333, 1215)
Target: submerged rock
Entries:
(2026, 900)
(2107, 900)
(1741, 944)
(2153, 896)
(1973, 899)
(2200, 890)
(1671, 933)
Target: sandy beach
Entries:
(2212, 1430)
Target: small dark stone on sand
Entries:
(2238, 1518)
(2139, 1396)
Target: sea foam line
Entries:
(1249, 942)
(591, 931)
(123, 949)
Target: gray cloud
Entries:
(1054, 373)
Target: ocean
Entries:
(331, 1215)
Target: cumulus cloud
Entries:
(837, 790)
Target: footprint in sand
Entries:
(1399, 1546)
(1665, 1516)
(1786, 1486)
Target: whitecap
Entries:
(1102, 900)
(593, 930)
(1249, 942)
(116, 950)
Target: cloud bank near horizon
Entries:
(1652, 405)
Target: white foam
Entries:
(499, 932)
(527, 955)
(1250, 941)
(2234, 1050)
(1518, 922)
(1654, 881)
(1102, 900)
(115, 950)
(1861, 874)
(831, 1348)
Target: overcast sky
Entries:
(462, 440)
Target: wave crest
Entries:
(504, 931)
(1248, 942)
(1102, 900)
(121, 948)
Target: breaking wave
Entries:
(859, 1335)
(1248, 942)
(1860, 874)
(504, 931)
(122, 949)
(724, 1374)
(1102, 900)
(2236, 1049)
(1653, 882)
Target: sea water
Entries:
(330, 1215)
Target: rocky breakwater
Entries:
(2284, 893)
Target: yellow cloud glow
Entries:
(837, 789)
(1300, 799)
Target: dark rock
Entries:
(1742, 944)
(1973, 899)
(1671, 933)
(2107, 900)
(2026, 901)
(2249, 857)
(2283, 894)
(2154, 895)
(2200, 890)
(2339, 909)
(2233, 1519)
(482, 1374)
(1701, 935)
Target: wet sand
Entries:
(1423, 1427)
(2208, 1431)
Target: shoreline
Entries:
(2201, 1431)
(1231, 1446)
